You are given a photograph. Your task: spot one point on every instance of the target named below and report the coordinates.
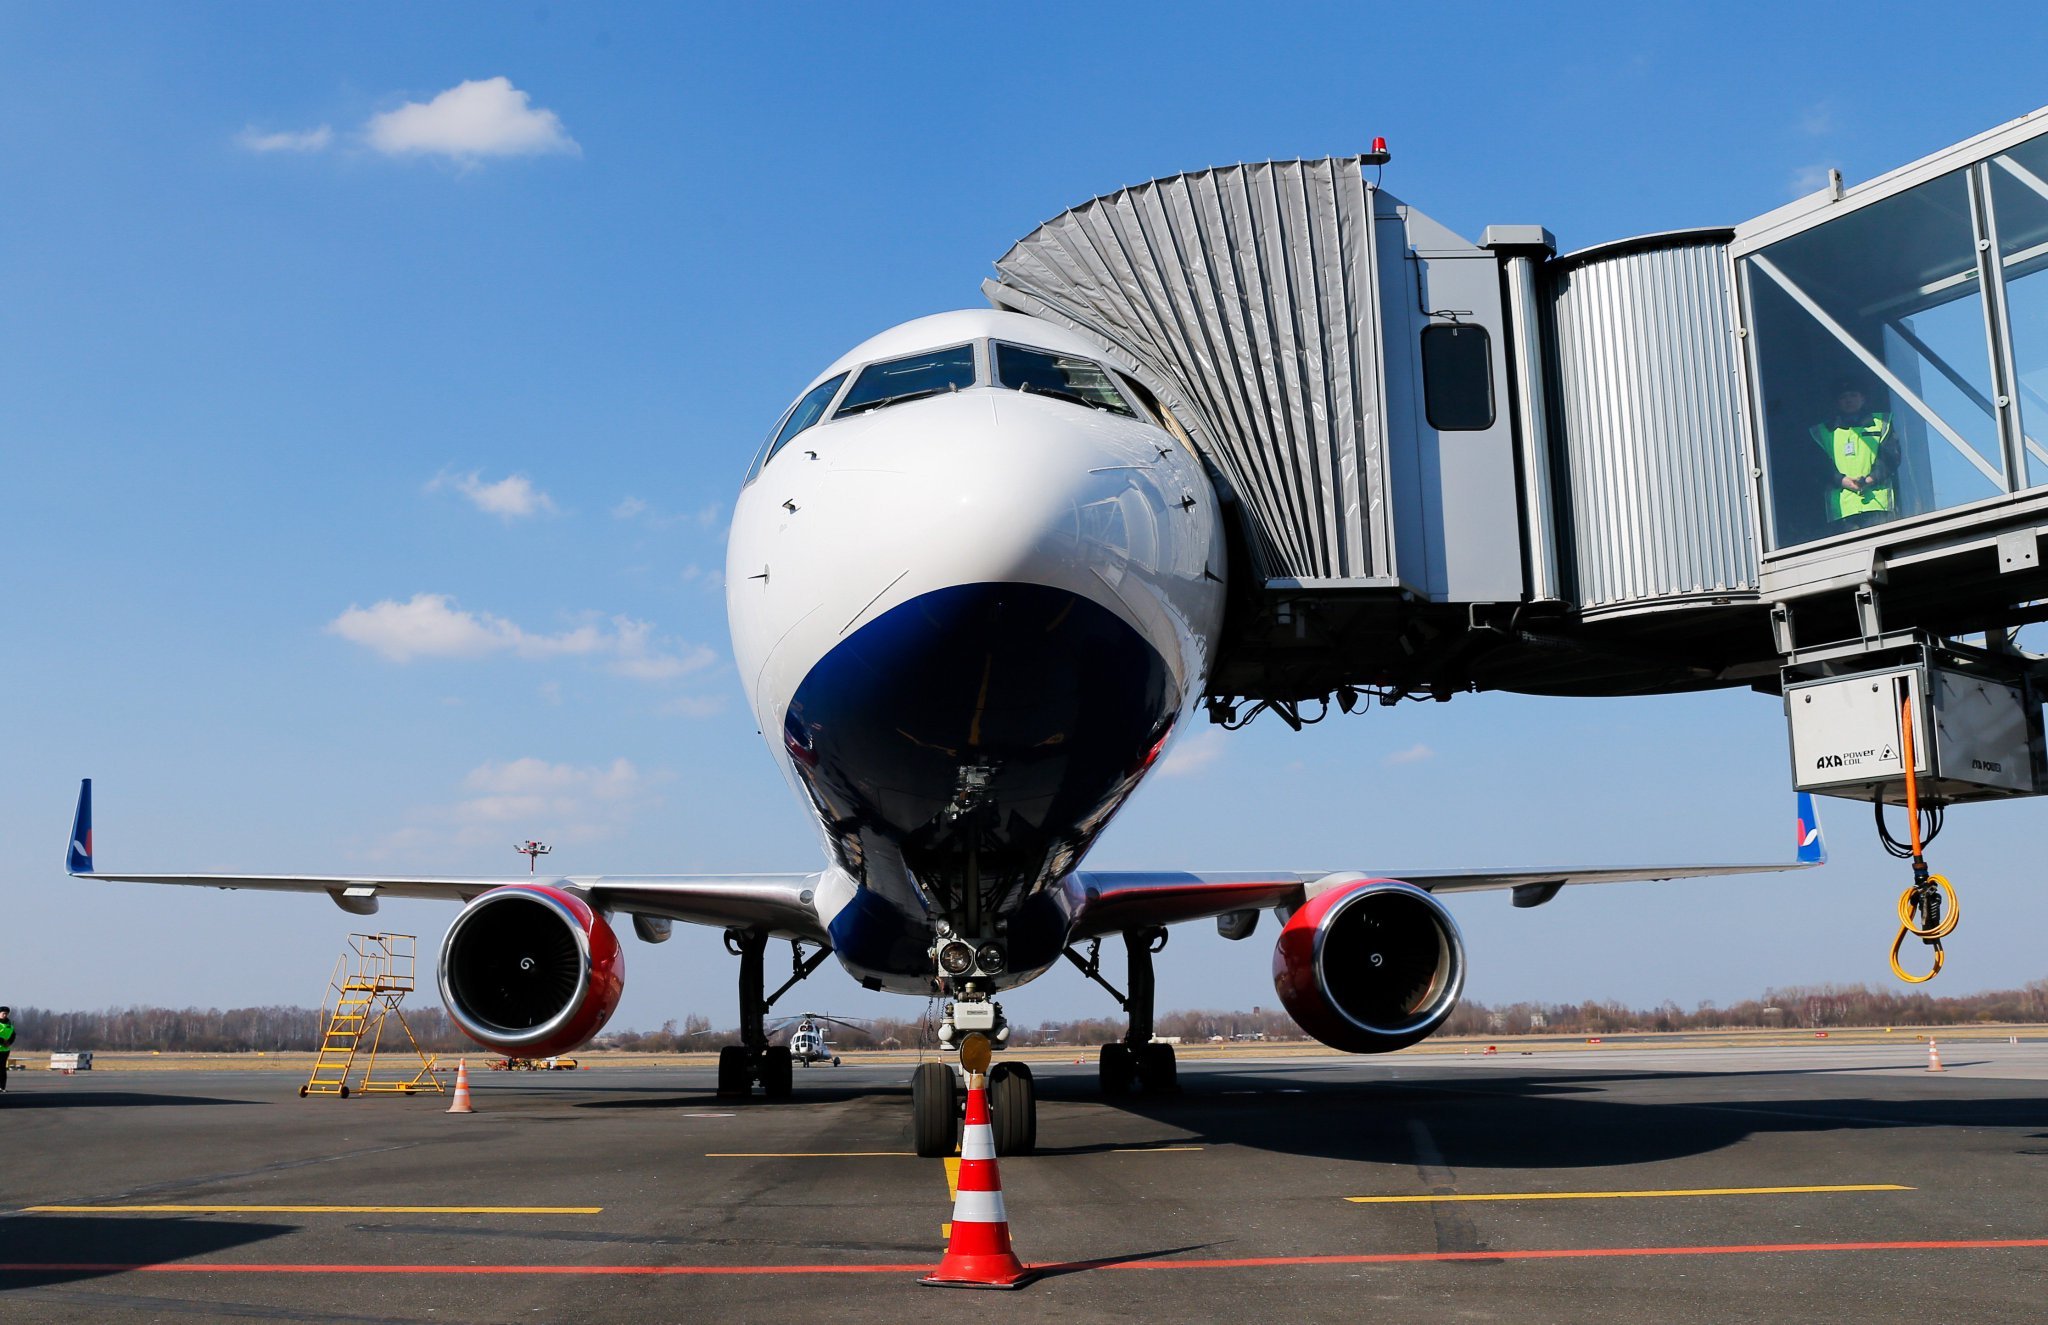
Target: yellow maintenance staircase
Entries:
(371, 978)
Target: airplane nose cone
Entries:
(1010, 715)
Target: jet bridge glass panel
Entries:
(2019, 197)
(1874, 365)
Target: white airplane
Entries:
(974, 577)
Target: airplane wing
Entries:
(1110, 901)
(780, 904)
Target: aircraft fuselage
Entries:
(968, 623)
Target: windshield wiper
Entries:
(1057, 393)
(897, 399)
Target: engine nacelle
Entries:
(1370, 967)
(530, 970)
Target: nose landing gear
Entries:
(935, 1095)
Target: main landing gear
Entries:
(935, 1093)
(754, 1060)
(1135, 1062)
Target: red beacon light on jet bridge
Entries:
(1379, 155)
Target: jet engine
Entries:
(1370, 967)
(530, 970)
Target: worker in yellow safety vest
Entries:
(1864, 454)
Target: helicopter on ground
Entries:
(807, 1038)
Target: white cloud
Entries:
(1192, 754)
(304, 140)
(640, 657)
(478, 118)
(710, 580)
(521, 798)
(1806, 179)
(1414, 754)
(1818, 120)
(712, 515)
(510, 498)
(430, 625)
(693, 706)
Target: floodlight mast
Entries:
(533, 851)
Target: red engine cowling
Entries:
(531, 971)
(1370, 967)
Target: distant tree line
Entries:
(1799, 1007)
(211, 1030)
(1817, 1007)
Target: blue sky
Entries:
(477, 313)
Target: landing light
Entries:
(956, 958)
(991, 958)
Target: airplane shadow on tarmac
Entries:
(101, 1099)
(665, 1097)
(40, 1250)
(1509, 1122)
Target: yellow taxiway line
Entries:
(1609, 1196)
(316, 1209)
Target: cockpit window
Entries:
(897, 380)
(805, 413)
(1044, 373)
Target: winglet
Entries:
(1812, 849)
(78, 860)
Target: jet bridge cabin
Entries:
(1805, 447)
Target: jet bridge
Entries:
(1452, 465)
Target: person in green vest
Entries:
(6, 1044)
(1863, 452)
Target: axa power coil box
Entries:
(1974, 737)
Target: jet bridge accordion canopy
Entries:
(1252, 290)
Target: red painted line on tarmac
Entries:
(1236, 1263)
(215, 1267)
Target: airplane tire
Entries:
(1158, 1070)
(776, 1082)
(1116, 1069)
(934, 1110)
(1013, 1108)
(735, 1081)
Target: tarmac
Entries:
(1825, 1182)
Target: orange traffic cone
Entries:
(979, 1255)
(461, 1104)
(1934, 1057)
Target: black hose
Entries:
(1930, 828)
